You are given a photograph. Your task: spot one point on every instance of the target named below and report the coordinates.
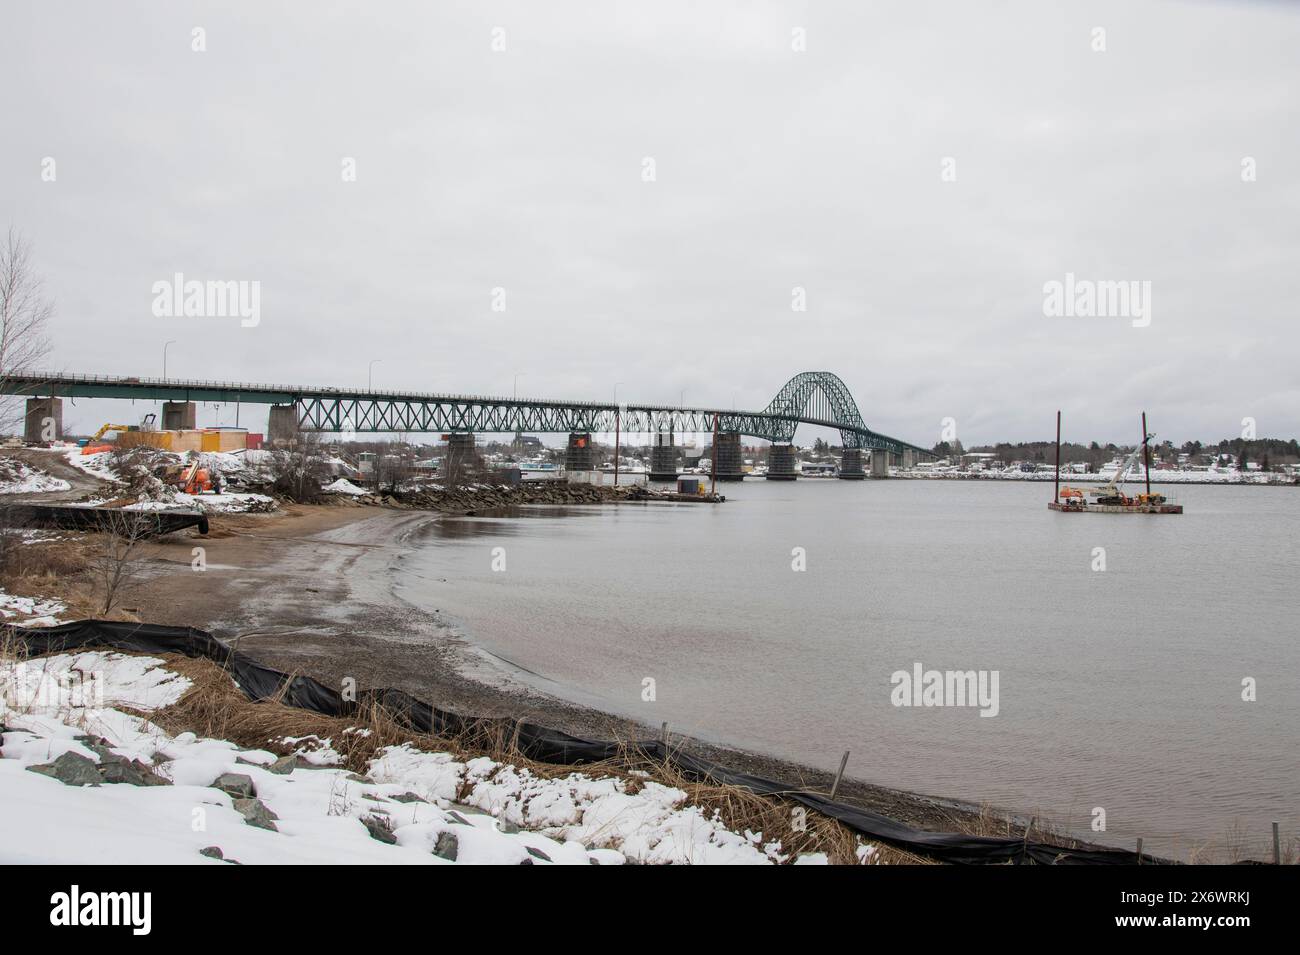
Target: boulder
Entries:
(380, 829)
(447, 846)
(256, 814)
(73, 769)
(235, 784)
(283, 766)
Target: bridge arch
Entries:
(817, 397)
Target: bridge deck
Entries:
(339, 410)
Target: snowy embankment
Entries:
(160, 497)
(30, 611)
(19, 477)
(82, 781)
(344, 486)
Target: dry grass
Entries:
(215, 707)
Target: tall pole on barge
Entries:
(713, 463)
(1146, 453)
(1056, 496)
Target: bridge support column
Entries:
(880, 464)
(780, 463)
(183, 416)
(851, 465)
(726, 457)
(461, 458)
(909, 460)
(579, 455)
(44, 420)
(281, 425)
(663, 458)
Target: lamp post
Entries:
(166, 345)
(370, 373)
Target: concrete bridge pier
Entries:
(462, 456)
(663, 458)
(780, 463)
(183, 416)
(851, 465)
(44, 420)
(579, 455)
(727, 462)
(281, 424)
(909, 459)
(880, 464)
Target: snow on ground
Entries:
(225, 502)
(343, 486)
(96, 465)
(19, 477)
(35, 611)
(403, 811)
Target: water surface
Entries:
(1118, 689)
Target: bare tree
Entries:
(117, 561)
(298, 471)
(24, 314)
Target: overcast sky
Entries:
(775, 168)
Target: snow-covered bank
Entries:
(18, 477)
(30, 611)
(82, 780)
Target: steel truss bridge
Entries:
(811, 397)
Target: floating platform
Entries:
(1116, 508)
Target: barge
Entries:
(1108, 498)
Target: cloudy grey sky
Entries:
(775, 168)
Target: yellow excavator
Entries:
(92, 445)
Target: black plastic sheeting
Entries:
(73, 517)
(542, 743)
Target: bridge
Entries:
(815, 397)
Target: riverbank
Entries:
(310, 590)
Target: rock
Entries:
(283, 766)
(235, 784)
(447, 846)
(538, 854)
(457, 818)
(527, 862)
(408, 797)
(256, 814)
(214, 852)
(72, 769)
(380, 829)
(151, 778)
(509, 828)
(121, 772)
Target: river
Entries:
(1119, 689)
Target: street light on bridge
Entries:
(370, 373)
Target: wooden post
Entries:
(1139, 851)
(663, 738)
(1056, 496)
(839, 775)
(1277, 846)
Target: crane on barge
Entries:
(1108, 498)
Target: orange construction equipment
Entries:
(190, 479)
